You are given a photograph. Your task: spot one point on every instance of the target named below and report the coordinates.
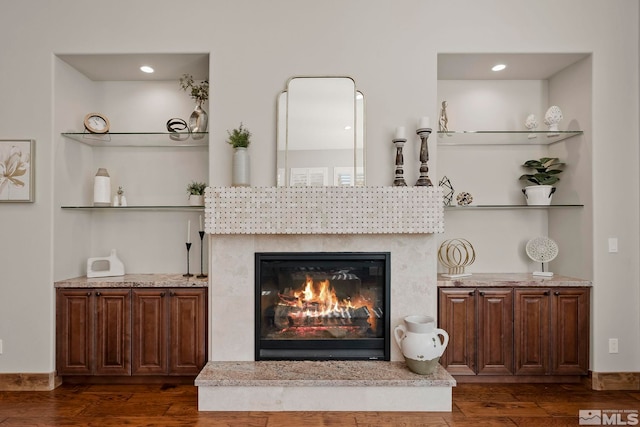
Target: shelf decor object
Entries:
(399, 142)
(464, 198)
(187, 274)
(423, 132)
(239, 139)
(542, 249)
(201, 233)
(178, 129)
(455, 255)
(552, 118)
(531, 123)
(17, 172)
(448, 190)
(443, 122)
(102, 188)
(199, 119)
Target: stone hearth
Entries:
(241, 222)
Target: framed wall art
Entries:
(17, 171)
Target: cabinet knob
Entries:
(172, 293)
(545, 293)
(98, 294)
(161, 294)
(481, 294)
(88, 294)
(472, 293)
(556, 293)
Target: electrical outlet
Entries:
(613, 345)
(613, 245)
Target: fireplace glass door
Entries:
(321, 306)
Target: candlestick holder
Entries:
(188, 249)
(201, 275)
(423, 180)
(399, 178)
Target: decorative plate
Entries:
(542, 249)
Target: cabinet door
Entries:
(457, 316)
(532, 331)
(495, 332)
(570, 331)
(74, 331)
(187, 331)
(113, 332)
(150, 332)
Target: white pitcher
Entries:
(420, 343)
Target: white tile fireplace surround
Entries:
(243, 221)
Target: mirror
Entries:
(320, 133)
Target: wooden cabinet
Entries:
(169, 331)
(480, 327)
(93, 332)
(514, 332)
(160, 331)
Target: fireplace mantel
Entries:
(323, 210)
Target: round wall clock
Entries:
(96, 123)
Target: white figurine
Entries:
(552, 117)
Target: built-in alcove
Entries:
(489, 168)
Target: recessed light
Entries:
(146, 69)
(498, 67)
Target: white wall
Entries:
(389, 48)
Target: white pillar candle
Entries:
(424, 123)
(400, 133)
(201, 229)
(189, 231)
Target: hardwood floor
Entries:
(169, 405)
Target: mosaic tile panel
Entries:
(323, 210)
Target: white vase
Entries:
(538, 195)
(420, 343)
(196, 200)
(241, 171)
(102, 188)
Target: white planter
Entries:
(196, 200)
(538, 194)
(241, 171)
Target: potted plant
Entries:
(195, 190)
(239, 139)
(545, 175)
(200, 92)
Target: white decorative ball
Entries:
(531, 122)
(552, 117)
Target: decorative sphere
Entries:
(464, 198)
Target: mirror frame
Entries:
(359, 140)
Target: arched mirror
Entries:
(320, 133)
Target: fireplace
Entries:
(322, 306)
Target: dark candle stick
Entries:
(201, 275)
(188, 249)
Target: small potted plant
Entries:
(195, 190)
(239, 139)
(545, 174)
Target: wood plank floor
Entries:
(169, 405)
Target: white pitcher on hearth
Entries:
(420, 343)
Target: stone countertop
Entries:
(359, 373)
(135, 281)
(511, 280)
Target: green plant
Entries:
(199, 92)
(196, 188)
(239, 137)
(546, 170)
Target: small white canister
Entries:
(102, 188)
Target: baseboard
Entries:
(615, 380)
(29, 382)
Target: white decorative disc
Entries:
(542, 249)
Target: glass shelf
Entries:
(487, 207)
(136, 208)
(491, 137)
(141, 139)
